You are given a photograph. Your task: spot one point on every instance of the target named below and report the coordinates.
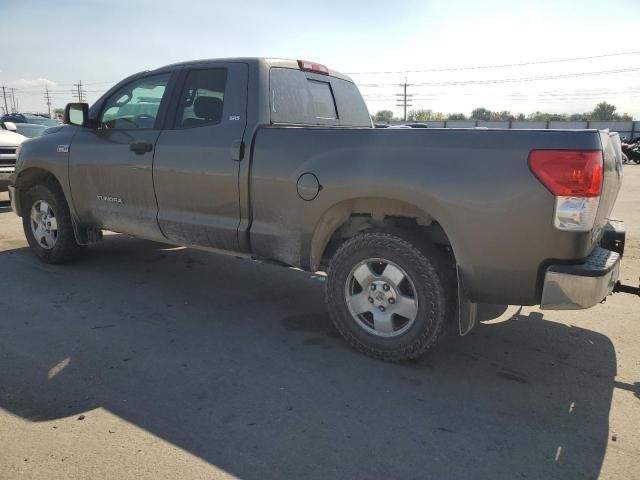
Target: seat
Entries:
(206, 110)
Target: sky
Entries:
(55, 43)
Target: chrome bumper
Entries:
(573, 287)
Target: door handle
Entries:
(141, 147)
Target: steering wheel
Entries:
(143, 118)
(122, 119)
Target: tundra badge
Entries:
(109, 199)
(63, 148)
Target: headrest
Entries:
(209, 108)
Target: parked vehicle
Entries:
(9, 142)
(29, 130)
(631, 151)
(29, 118)
(278, 160)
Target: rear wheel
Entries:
(389, 297)
(47, 224)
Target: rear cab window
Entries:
(306, 98)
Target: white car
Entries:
(9, 141)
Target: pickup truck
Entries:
(278, 160)
(9, 141)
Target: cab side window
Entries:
(202, 98)
(135, 105)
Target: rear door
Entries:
(197, 157)
(110, 166)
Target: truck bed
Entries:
(476, 184)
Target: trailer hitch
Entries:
(621, 288)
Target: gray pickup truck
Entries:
(278, 160)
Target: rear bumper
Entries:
(573, 287)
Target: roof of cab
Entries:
(269, 62)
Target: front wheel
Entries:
(389, 297)
(47, 224)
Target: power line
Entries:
(504, 65)
(532, 79)
(89, 83)
(60, 93)
(448, 83)
(631, 91)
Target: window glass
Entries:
(353, 110)
(321, 102)
(298, 99)
(136, 104)
(202, 98)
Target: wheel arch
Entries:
(349, 217)
(30, 177)
(346, 219)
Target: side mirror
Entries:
(9, 126)
(76, 114)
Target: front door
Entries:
(111, 165)
(197, 157)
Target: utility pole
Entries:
(4, 95)
(14, 108)
(405, 98)
(79, 92)
(48, 98)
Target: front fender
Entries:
(44, 156)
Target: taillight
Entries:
(575, 178)
(569, 172)
(313, 67)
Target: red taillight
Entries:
(313, 67)
(569, 173)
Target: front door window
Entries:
(135, 105)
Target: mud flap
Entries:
(467, 310)
(85, 236)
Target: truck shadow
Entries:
(238, 363)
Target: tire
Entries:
(58, 245)
(401, 330)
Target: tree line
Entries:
(602, 111)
